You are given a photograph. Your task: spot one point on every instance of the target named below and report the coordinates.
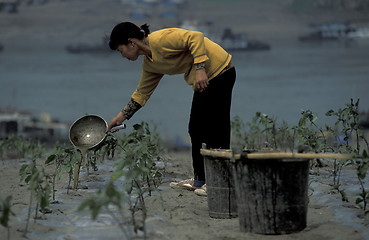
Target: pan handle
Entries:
(117, 128)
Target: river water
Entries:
(280, 82)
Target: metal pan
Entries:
(90, 132)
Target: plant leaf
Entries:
(50, 159)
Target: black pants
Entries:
(210, 120)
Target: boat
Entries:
(337, 31)
(359, 32)
(227, 38)
(9, 6)
(24, 123)
(239, 42)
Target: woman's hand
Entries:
(202, 81)
(116, 121)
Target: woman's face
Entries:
(129, 51)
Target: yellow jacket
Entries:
(175, 51)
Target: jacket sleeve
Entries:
(148, 82)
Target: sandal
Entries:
(201, 191)
(186, 184)
(181, 183)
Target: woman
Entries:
(206, 67)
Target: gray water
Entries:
(280, 82)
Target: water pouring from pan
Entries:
(89, 133)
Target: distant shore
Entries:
(77, 21)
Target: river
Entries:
(280, 82)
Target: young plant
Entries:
(258, 134)
(106, 199)
(18, 146)
(26, 147)
(108, 149)
(5, 209)
(3, 148)
(363, 197)
(239, 140)
(39, 185)
(348, 126)
(246, 136)
(263, 131)
(63, 159)
(269, 129)
(285, 137)
(309, 133)
(140, 151)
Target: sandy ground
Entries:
(172, 213)
(187, 217)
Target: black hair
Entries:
(121, 32)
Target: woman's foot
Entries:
(189, 184)
(201, 191)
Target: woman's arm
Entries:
(145, 88)
(194, 42)
(202, 80)
(127, 112)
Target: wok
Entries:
(89, 132)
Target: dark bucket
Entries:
(272, 194)
(220, 187)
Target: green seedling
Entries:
(39, 184)
(138, 153)
(6, 212)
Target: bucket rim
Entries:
(275, 155)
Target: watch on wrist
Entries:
(200, 65)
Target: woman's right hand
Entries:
(116, 121)
(202, 81)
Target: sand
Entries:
(172, 213)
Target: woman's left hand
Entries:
(202, 81)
